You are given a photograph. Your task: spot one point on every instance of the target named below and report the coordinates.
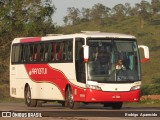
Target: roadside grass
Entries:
(5, 95)
(143, 103)
(11, 100)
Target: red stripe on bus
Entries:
(32, 39)
(43, 73)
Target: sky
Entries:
(62, 6)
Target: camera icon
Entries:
(6, 114)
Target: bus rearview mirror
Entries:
(86, 53)
(146, 53)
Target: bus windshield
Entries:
(113, 60)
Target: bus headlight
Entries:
(94, 87)
(136, 87)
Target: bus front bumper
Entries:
(102, 96)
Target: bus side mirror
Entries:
(86, 53)
(146, 53)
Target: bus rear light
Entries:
(94, 87)
(136, 87)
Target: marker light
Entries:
(94, 87)
(136, 87)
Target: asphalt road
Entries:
(85, 112)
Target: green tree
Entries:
(118, 11)
(144, 11)
(65, 20)
(127, 9)
(86, 14)
(99, 11)
(25, 17)
(134, 11)
(73, 16)
(155, 4)
(20, 18)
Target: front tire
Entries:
(108, 104)
(69, 102)
(117, 105)
(28, 99)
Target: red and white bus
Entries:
(87, 67)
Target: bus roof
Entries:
(106, 35)
(84, 34)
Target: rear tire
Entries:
(28, 99)
(63, 104)
(69, 102)
(39, 103)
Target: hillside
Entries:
(149, 35)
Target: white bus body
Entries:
(76, 68)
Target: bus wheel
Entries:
(107, 104)
(63, 104)
(39, 103)
(117, 105)
(69, 102)
(29, 102)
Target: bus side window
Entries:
(21, 53)
(31, 52)
(62, 50)
(24, 53)
(79, 63)
(17, 53)
(13, 53)
(65, 50)
(41, 52)
(49, 51)
(38, 52)
(46, 50)
(70, 50)
(53, 51)
(35, 54)
(58, 52)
